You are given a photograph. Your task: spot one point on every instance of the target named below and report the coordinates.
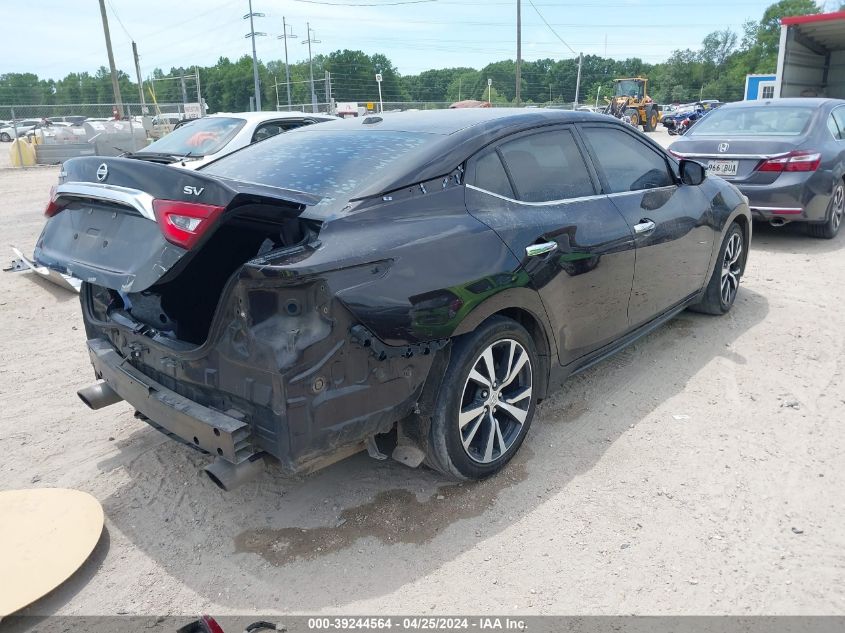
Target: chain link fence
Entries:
(84, 111)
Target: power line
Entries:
(550, 27)
(119, 21)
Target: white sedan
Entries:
(201, 141)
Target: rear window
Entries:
(755, 121)
(331, 164)
(198, 138)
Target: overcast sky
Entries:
(54, 37)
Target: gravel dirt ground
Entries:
(700, 471)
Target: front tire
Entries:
(720, 294)
(5, 137)
(486, 401)
(651, 121)
(634, 115)
(836, 209)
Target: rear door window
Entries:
(839, 116)
(547, 166)
(627, 163)
(833, 127)
(266, 130)
(490, 175)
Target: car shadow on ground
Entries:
(362, 528)
(792, 238)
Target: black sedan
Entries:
(437, 273)
(786, 155)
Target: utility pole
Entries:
(518, 50)
(284, 36)
(578, 80)
(252, 35)
(184, 89)
(311, 65)
(328, 87)
(199, 92)
(118, 101)
(138, 76)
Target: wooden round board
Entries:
(45, 535)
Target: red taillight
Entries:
(793, 161)
(211, 624)
(184, 223)
(53, 206)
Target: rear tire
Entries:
(720, 293)
(835, 210)
(5, 137)
(481, 420)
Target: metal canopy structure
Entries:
(811, 56)
(825, 30)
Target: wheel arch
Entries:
(541, 340)
(745, 224)
(525, 307)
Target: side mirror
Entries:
(692, 173)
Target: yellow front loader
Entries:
(631, 102)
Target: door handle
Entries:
(540, 249)
(645, 226)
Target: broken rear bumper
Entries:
(205, 428)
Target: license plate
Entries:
(723, 167)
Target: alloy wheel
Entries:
(838, 207)
(731, 268)
(495, 401)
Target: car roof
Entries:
(450, 121)
(270, 115)
(455, 135)
(814, 102)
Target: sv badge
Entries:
(192, 191)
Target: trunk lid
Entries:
(106, 231)
(739, 159)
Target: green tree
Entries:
(717, 47)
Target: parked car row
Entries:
(7, 130)
(29, 126)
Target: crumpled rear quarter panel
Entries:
(285, 359)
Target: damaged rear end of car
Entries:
(208, 312)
